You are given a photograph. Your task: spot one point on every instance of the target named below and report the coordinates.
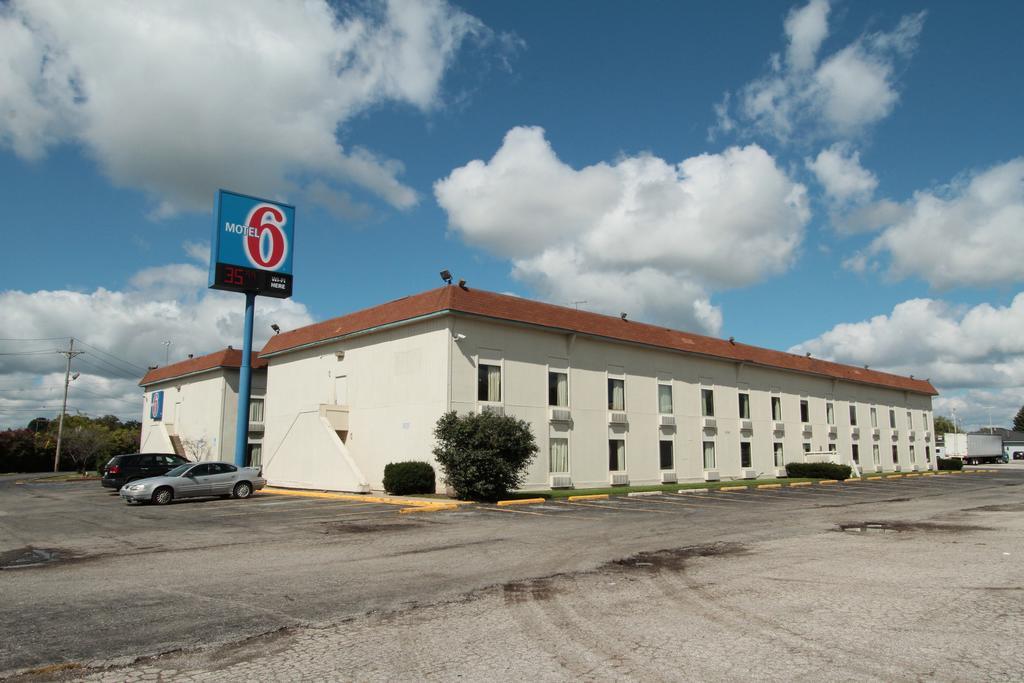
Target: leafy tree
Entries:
(944, 425)
(483, 456)
(84, 443)
(1018, 420)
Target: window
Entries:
(830, 414)
(147, 461)
(853, 415)
(912, 457)
(807, 446)
(744, 406)
(709, 455)
(892, 418)
(924, 421)
(875, 457)
(805, 411)
(777, 408)
(558, 388)
(895, 455)
(558, 462)
(927, 454)
(910, 422)
(874, 417)
(855, 453)
(616, 394)
(665, 399)
(667, 461)
(616, 455)
(745, 454)
(832, 446)
(256, 410)
(707, 402)
(201, 471)
(255, 455)
(488, 382)
(780, 460)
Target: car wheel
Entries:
(243, 489)
(163, 496)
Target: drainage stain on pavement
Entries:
(24, 558)
(675, 559)
(903, 527)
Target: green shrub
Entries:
(818, 470)
(403, 478)
(483, 456)
(950, 463)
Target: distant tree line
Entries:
(87, 443)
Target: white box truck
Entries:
(975, 449)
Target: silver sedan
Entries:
(194, 480)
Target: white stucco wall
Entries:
(525, 354)
(394, 383)
(200, 406)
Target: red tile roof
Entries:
(515, 309)
(225, 358)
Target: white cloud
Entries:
(839, 96)
(957, 347)
(965, 234)
(839, 171)
(178, 99)
(163, 303)
(640, 235)
(806, 28)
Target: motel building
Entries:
(610, 401)
(190, 407)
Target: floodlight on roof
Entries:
(446, 275)
(275, 328)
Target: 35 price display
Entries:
(241, 279)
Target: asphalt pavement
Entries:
(898, 579)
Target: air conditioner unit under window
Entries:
(746, 425)
(709, 423)
(780, 427)
(808, 430)
(619, 479)
(912, 436)
(561, 415)
(617, 418)
(832, 430)
(748, 474)
(711, 475)
(855, 432)
(668, 478)
(668, 420)
(561, 481)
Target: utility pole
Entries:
(70, 353)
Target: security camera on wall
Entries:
(459, 337)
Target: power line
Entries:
(29, 353)
(117, 358)
(124, 374)
(19, 339)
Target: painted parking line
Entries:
(292, 521)
(669, 501)
(610, 506)
(284, 512)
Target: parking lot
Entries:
(97, 587)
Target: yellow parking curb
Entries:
(354, 496)
(852, 481)
(769, 486)
(829, 481)
(927, 474)
(728, 489)
(894, 476)
(799, 483)
(877, 476)
(912, 474)
(431, 507)
(592, 496)
(941, 473)
(520, 501)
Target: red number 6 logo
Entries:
(268, 247)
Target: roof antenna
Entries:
(732, 340)
(462, 284)
(808, 354)
(622, 315)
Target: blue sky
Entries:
(798, 175)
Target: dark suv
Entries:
(122, 469)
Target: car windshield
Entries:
(179, 470)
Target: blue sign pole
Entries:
(244, 384)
